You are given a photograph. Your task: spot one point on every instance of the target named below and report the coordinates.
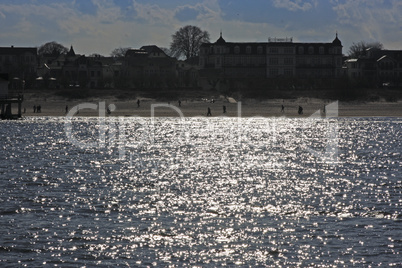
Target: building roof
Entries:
(152, 49)
(71, 53)
(220, 40)
(336, 41)
(386, 57)
(17, 50)
(134, 52)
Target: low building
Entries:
(149, 66)
(20, 63)
(379, 66)
(75, 70)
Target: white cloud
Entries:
(375, 20)
(295, 5)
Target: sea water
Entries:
(144, 192)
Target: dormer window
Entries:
(310, 50)
(236, 49)
(259, 49)
(248, 50)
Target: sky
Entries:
(99, 26)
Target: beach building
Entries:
(276, 58)
(20, 63)
(149, 66)
(379, 66)
(75, 70)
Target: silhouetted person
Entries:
(66, 108)
(138, 103)
(283, 109)
(209, 112)
(300, 110)
(39, 109)
(108, 110)
(224, 109)
(34, 108)
(179, 103)
(324, 109)
(25, 110)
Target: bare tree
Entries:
(357, 50)
(167, 51)
(187, 41)
(119, 52)
(95, 55)
(52, 48)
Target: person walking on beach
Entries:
(209, 112)
(283, 109)
(34, 108)
(66, 108)
(138, 103)
(224, 109)
(300, 110)
(179, 103)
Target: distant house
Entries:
(149, 66)
(19, 62)
(187, 72)
(378, 66)
(75, 70)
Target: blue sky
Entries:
(99, 26)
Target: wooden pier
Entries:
(6, 102)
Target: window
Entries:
(310, 50)
(288, 72)
(236, 49)
(248, 50)
(273, 72)
(273, 61)
(259, 50)
(301, 50)
(288, 61)
(273, 50)
(321, 50)
(288, 50)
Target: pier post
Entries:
(19, 109)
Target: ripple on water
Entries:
(201, 191)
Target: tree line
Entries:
(185, 44)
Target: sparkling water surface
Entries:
(201, 192)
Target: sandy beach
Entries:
(52, 105)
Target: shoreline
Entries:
(247, 108)
(195, 104)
